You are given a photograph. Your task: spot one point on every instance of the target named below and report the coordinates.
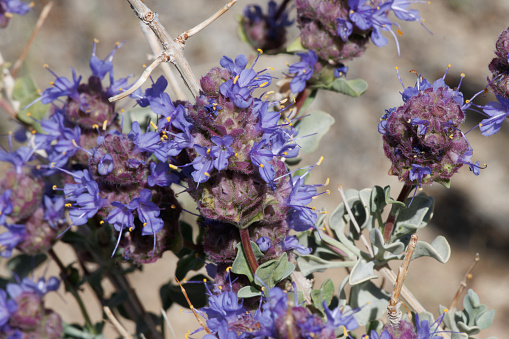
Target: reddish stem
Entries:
(391, 219)
(248, 250)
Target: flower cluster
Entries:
(339, 30)
(266, 31)
(30, 212)
(422, 137)
(22, 311)
(277, 316)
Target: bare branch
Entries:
(463, 283)
(42, 17)
(172, 51)
(168, 72)
(181, 39)
(146, 74)
(121, 330)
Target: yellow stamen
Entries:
(270, 92)
(207, 174)
(105, 124)
(396, 68)
(153, 125)
(323, 212)
(95, 126)
(45, 66)
(204, 279)
(144, 224)
(33, 131)
(261, 165)
(68, 205)
(173, 166)
(53, 164)
(51, 83)
(259, 50)
(168, 119)
(54, 187)
(400, 32)
(283, 101)
(319, 161)
(326, 182)
(235, 80)
(74, 143)
(130, 229)
(265, 83)
(229, 268)
(345, 331)
(327, 192)
(208, 150)
(101, 222)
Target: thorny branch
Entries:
(173, 50)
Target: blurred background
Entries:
(473, 214)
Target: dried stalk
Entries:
(120, 329)
(463, 283)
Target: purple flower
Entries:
(292, 243)
(19, 158)
(62, 87)
(54, 210)
(9, 240)
(87, 204)
(423, 328)
(121, 217)
(100, 68)
(7, 308)
(263, 243)
(260, 156)
(105, 165)
(384, 335)
(72, 191)
(345, 28)
(148, 142)
(417, 173)
(340, 71)
(222, 151)
(337, 317)
(302, 70)
(497, 111)
(5, 206)
(40, 288)
(422, 125)
(282, 143)
(235, 67)
(148, 213)
(400, 9)
(160, 176)
(203, 164)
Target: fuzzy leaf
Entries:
(385, 252)
(273, 271)
(316, 125)
(361, 272)
(439, 249)
(309, 264)
(25, 91)
(353, 88)
(414, 217)
(248, 292)
(295, 46)
(240, 265)
(323, 294)
(370, 299)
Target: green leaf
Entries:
(189, 262)
(361, 272)
(316, 125)
(309, 264)
(416, 216)
(353, 88)
(25, 91)
(439, 249)
(248, 292)
(240, 265)
(273, 271)
(371, 300)
(323, 294)
(385, 252)
(295, 46)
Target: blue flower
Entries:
(302, 70)
(275, 21)
(345, 28)
(203, 164)
(5, 206)
(160, 176)
(222, 151)
(337, 317)
(422, 125)
(40, 287)
(62, 87)
(260, 157)
(19, 158)
(292, 243)
(14, 7)
(100, 68)
(418, 172)
(282, 143)
(148, 142)
(235, 67)
(384, 335)
(148, 213)
(423, 328)
(263, 243)
(9, 240)
(121, 217)
(87, 204)
(301, 217)
(105, 165)
(340, 71)
(54, 210)
(72, 191)
(497, 111)
(7, 308)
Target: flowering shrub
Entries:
(114, 187)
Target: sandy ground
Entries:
(473, 214)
